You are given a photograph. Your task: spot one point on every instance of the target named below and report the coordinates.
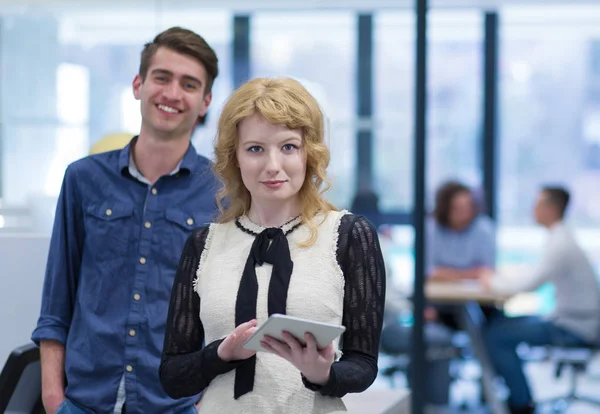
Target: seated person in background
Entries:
(461, 244)
(279, 247)
(576, 320)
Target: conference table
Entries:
(379, 401)
(468, 295)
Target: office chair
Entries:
(20, 382)
(577, 359)
(396, 343)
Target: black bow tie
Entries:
(270, 246)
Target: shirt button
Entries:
(147, 224)
(129, 368)
(132, 332)
(190, 221)
(154, 191)
(142, 260)
(136, 296)
(108, 212)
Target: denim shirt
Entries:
(114, 250)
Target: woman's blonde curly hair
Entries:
(281, 101)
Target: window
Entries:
(455, 60)
(549, 91)
(317, 49)
(549, 110)
(68, 84)
(73, 85)
(455, 99)
(455, 85)
(393, 97)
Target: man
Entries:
(576, 320)
(121, 222)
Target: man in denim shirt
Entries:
(121, 223)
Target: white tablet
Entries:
(324, 333)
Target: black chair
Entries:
(20, 382)
(396, 342)
(576, 359)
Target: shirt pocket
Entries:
(109, 229)
(179, 225)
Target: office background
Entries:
(66, 72)
(66, 75)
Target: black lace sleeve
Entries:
(360, 257)
(186, 367)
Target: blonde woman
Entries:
(279, 247)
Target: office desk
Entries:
(468, 295)
(386, 401)
(461, 292)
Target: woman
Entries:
(461, 244)
(278, 247)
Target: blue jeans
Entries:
(67, 407)
(503, 335)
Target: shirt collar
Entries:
(557, 226)
(188, 162)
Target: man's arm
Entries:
(52, 355)
(60, 287)
(552, 263)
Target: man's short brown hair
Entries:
(187, 43)
(557, 196)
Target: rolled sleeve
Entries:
(63, 265)
(50, 328)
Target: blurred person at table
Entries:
(576, 319)
(461, 245)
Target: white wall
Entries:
(22, 265)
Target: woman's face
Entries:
(462, 211)
(272, 160)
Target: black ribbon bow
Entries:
(270, 246)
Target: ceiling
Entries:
(135, 21)
(255, 5)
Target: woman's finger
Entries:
(249, 332)
(229, 340)
(311, 345)
(292, 342)
(282, 349)
(245, 326)
(267, 347)
(328, 352)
